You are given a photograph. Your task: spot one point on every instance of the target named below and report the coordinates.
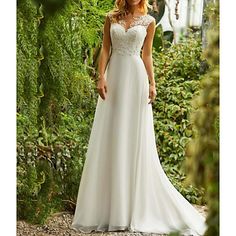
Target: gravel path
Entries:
(58, 224)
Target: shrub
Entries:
(178, 71)
(203, 150)
(56, 102)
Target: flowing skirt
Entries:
(123, 186)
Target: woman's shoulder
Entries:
(149, 18)
(109, 15)
(145, 20)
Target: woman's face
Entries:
(133, 2)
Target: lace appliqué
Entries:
(129, 41)
(144, 20)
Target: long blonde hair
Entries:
(121, 9)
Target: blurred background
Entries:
(58, 45)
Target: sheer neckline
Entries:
(123, 23)
(128, 29)
(136, 17)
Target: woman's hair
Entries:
(121, 9)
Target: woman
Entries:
(123, 186)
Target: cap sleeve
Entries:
(109, 15)
(149, 19)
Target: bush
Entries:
(55, 102)
(57, 55)
(203, 150)
(178, 71)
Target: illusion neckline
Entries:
(126, 30)
(136, 17)
(130, 26)
(139, 16)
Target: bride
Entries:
(123, 186)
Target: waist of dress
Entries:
(125, 52)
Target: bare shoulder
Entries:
(109, 16)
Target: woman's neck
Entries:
(133, 10)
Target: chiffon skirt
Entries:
(123, 186)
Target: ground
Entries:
(58, 224)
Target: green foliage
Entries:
(177, 74)
(203, 150)
(55, 102)
(158, 42)
(27, 64)
(162, 39)
(68, 40)
(57, 51)
(49, 169)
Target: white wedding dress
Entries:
(123, 186)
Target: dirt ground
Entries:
(58, 224)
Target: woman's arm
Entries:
(147, 52)
(147, 59)
(104, 58)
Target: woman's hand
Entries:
(152, 93)
(102, 88)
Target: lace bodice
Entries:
(129, 41)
